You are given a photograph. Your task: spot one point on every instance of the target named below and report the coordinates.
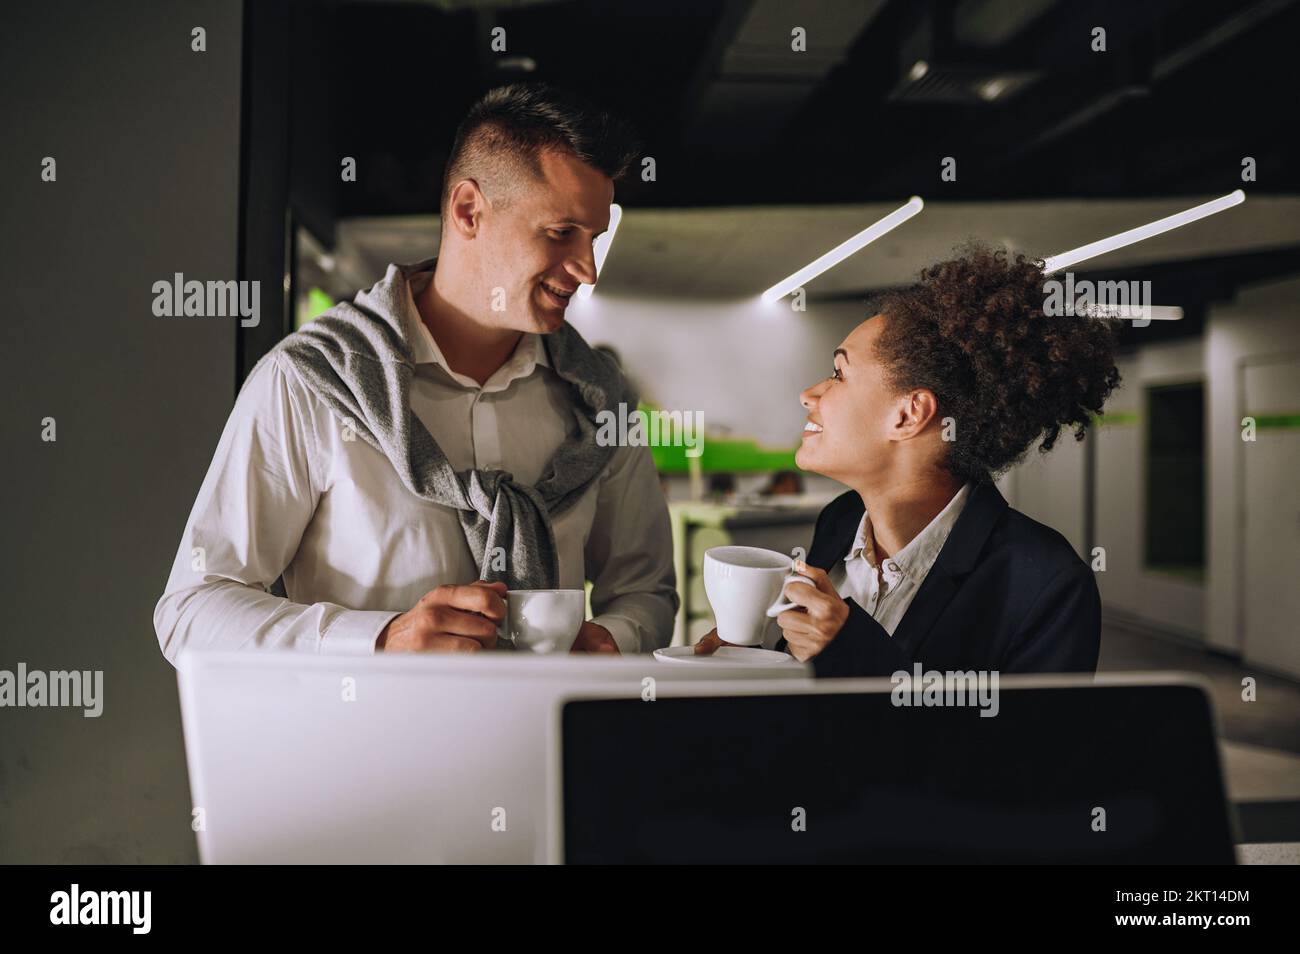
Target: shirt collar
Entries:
(915, 559)
(529, 353)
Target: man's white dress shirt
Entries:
(885, 591)
(290, 491)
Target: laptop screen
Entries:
(1090, 774)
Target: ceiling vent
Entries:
(935, 67)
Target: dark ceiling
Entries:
(1012, 90)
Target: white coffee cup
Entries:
(744, 586)
(543, 621)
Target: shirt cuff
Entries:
(355, 632)
(625, 634)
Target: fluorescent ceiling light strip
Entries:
(1178, 219)
(1148, 312)
(602, 245)
(842, 251)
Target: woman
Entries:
(945, 387)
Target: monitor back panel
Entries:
(1087, 774)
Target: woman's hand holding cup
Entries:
(821, 614)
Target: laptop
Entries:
(390, 758)
(1116, 770)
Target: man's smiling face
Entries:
(536, 247)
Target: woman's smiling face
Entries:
(849, 412)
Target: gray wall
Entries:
(146, 137)
(740, 363)
(1254, 532)
(1248, 532)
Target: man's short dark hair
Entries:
(511, 126)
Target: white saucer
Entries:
(727, 655)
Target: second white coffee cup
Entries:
(744, 586)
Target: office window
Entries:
(1175, 480)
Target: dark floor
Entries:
(1272, 720)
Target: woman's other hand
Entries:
(709, 643)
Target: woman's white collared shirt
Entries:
(885, 590)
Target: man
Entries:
(401, 451)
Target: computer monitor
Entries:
(388, 758)
(1068, 770)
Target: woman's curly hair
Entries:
(973, 331)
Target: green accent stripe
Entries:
(317, 303)
(1118, 418)
(1262, 421)
(717, 454)
(1276, 421)
(724, 455)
